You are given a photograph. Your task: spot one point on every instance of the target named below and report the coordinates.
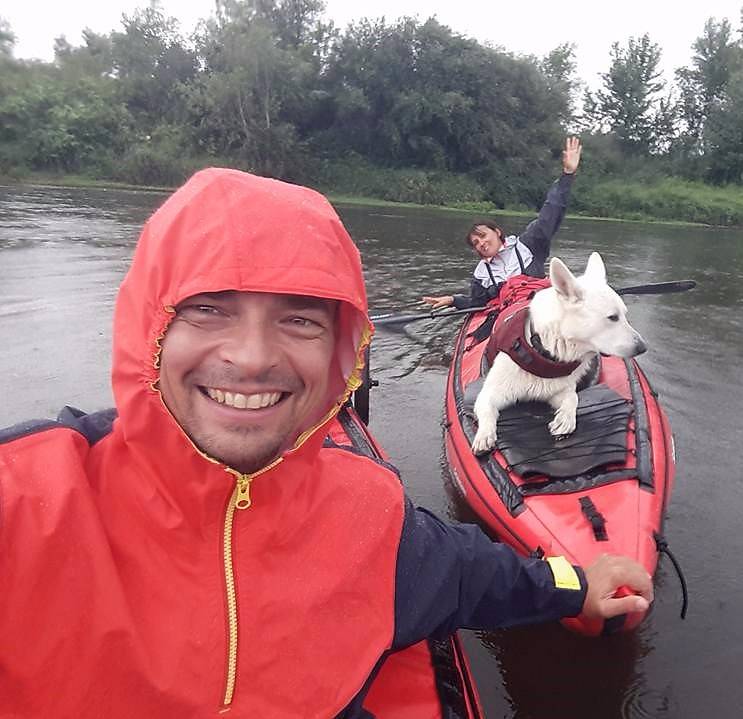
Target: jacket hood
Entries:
(229, 230)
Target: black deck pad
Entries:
(600, 436)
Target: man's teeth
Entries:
(244, 401)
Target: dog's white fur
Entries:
(575, 318)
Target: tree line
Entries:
(403, 110)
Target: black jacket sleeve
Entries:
(539, 232)
(451, 576)
(479, 296)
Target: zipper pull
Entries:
(243, 501)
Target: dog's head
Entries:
(590, 313)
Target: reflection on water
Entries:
(64, 252)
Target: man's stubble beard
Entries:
(258, 457)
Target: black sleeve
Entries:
(479, 296)
(452, 576)
(539, 232)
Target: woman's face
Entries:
(486, 241)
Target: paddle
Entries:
(656, 288)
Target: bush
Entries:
(670, 199)
(356, 176)
(145, 165)
(158, 159)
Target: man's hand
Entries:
(571, 155)
(609, 574)
(438, 302)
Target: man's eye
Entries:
(195, 312)
(307, 326)
(303, 322)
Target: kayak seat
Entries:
(599, 439)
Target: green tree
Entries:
(723, 135)
(92, 59)
(7, 40)
(559, 69)
(631, 105)
(717, 57)
(151, 61)
(411, 93)
(255, 84)
(53, 125)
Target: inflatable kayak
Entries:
(431, 679)
(602, 489)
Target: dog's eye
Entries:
(613, 318)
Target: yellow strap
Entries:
(564, 573)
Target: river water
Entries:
(63, 253)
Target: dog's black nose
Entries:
(640, 346)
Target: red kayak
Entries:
(431, 679)
(603, 489)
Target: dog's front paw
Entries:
(484, 441)
(563, 424)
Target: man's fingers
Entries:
(615, 606)
(616, 584)
(635, 577)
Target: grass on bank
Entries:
(668, 200)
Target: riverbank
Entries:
(669, 201)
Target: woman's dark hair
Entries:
(486, 223)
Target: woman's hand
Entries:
(438, 302)
(571, 155)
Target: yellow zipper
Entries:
(240, 499)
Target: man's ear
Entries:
(564, 281)
(595, 268)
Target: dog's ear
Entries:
(595, 269)
(564, 281)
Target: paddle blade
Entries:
(658, 288)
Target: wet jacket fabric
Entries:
(530, 249)
(133, 582)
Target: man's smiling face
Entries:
(245, 373)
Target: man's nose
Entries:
(250, 346)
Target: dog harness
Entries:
(509, 336)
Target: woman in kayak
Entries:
(504, 256)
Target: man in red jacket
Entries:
(200, 548)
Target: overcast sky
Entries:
(519, 26)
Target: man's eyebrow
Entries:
(221, 296)
(302, 302)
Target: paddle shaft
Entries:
(656, 288)
(392, 319)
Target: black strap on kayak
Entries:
(598, 523)
(662, 547)
(481, 333)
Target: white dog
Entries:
(572, 320)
